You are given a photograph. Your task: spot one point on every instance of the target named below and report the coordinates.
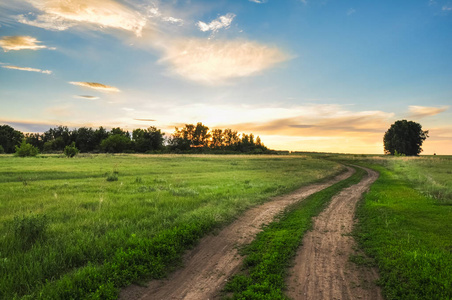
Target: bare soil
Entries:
(216, 258)
(322, 269)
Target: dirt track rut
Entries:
(215, 258)
(322, 268)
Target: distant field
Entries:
(85, 226)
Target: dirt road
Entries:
(207, 266)
(322, 268)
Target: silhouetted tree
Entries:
(10, 138)
(116, 143)
(404, 137)
(35, 139)
(150, 139)
(84, 139)
(231, 138)
(119, 131)
(217, 139)
(55, 139)
(100, 134)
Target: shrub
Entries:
(2, 150)
(71, 151)
(26, 149)
(112, 177)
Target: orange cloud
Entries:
(96, 86)
(424, 111)
(60, 15)
(18, 42)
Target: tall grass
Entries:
(410, 237)
(98, 235)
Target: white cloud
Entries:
(258, 1)
(351, 11)
(46, 21)
(217, 24)
(60, 15)
(96, 86)
(215, 62)
(154, 12)
(28, 69)
(425, 111)
(18, 42)
(447, 8)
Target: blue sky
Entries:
(303, 75)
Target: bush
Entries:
(2, 150)
(71, 151)
(26, 149)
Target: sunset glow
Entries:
(303, 75)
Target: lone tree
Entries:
(404, 137)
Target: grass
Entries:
(68, 232)
(269, 255)
(432, 176)
(407, 231)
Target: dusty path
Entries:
(208, 265)
(322, 269)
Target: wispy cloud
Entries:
(19, 42)
(217, 24)
(351, 11)
(425, 111)
(145, 120)
(60, 15)
(96, 86)
(447, 8)
(258, 1)
(351, 124)
(154, 12)
(215, 62)
(28, 69)
(87, 97)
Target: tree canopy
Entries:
(404, 137)
(10, 138)
(189, 139)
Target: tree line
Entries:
(189, 139)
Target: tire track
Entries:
(208, 266)
(322, 268)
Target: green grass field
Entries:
(81, 228)
(405, 224)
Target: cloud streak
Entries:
(87, 97)
(96, 86)
(425, 111)
(61, 15)
(216, 62)
(28, 69)
(18, 42)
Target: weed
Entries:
(27, 230)
(112, 177)
(362, 260)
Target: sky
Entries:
(304, 75)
